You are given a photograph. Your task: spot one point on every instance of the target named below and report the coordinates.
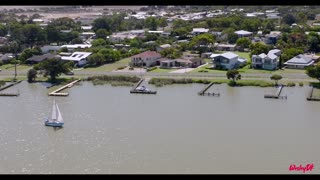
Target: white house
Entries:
(147, 58)
(227, 60)
(197, 31)
(80, 58)
(268, 61)
(243, 33)
(299, 62)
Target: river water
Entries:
(109, 130)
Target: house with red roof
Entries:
(145, 59)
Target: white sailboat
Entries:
(56, 119)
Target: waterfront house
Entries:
(299, 62)
(268, 61)
(162, 47)
(79, 58)
(227, 60)
(41, 58)
(167, 63)
(189, 62)
(147, 58)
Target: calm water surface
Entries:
(109, 130)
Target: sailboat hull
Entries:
(53, 124)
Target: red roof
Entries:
(147, 54)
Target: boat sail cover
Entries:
(54, 112)
(59, 116)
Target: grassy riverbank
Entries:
(159, 82)
(114, 80)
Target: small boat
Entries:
(142, 89)
(56, 118)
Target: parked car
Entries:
(70, 73)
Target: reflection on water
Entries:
(109, 130)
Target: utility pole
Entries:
(15, 71)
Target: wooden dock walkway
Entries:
(56, 92)
(137, 85)
(10, 85)
(277, 94)
(203, 91)
(311, 98)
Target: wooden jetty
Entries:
(10, 85)
(204, 93)
(311, 98)
(137, 85)
(9, 94)
(134, 89)
(56, 92)
(277, 94)
(143, 92)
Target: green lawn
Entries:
(11, 67)
(109, 67)
(161, 70)
(316, 93)
(243, 55)
(207, 68)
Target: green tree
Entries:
(101, 23)
(314, 72)
(102, 33)
(163, 23)
(76, 41)
(54, 67)
(276, 78)
(27, 53)
(96, 59)
(288, 19)
(151, 23)
(171, 53)
(33, 34)
(243, 42)
(258, 48)
(203, 40)
(32, 75)
(3, 30)
(99, 42)
(289, 53)
(233, 75)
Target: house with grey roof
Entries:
(299, 62)
(39, 58)
(268, 61)
(227, 60)
(162, 47)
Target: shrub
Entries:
(131, 68)
(122, 67)
(301, 84)
(151, 68)
(291, 84)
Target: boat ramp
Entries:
(8, 86)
